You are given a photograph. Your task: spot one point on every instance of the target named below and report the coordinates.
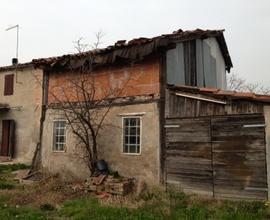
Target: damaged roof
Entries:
(221, 94)
(19, 66)
(134, 49)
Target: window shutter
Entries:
(9, 84)
(5, 138)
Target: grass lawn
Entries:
(55, 201)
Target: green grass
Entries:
(177, 208)
(6, 181)
(12, 167)
(88, 208)
(153, 205)
(4, 185)
(243, 210)
(10, 213)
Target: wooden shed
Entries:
(217, 142)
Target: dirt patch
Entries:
(129, 201)
(50, 191)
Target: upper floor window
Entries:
(59, 135)
(132, 135)
(9, 84)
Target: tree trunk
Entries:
(94, 156)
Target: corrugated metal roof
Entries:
(223, 94)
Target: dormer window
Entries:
(9, 85)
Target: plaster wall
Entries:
(25, 110)
(70, 165)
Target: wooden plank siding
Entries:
(188, 155)
(183, 107)
(218, 155)
(239, 157)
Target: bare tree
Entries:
(235, 82)
(81, 47)
(85, 102)
(99, 35)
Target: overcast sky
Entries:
(48, 27)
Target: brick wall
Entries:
(132, 79)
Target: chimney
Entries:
(14, 61)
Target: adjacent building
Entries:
(20, 111)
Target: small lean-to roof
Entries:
(134, 49)
(4, 107)
(221, 94)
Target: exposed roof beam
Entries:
(202, 98)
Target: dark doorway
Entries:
(8, 129)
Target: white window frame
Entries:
(53, 138)
(123, 133)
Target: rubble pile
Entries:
(116, 186)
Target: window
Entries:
(132, 135)
(9, 84)
(196, 63)
(59, 135)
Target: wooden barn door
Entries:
(188, 155)
(224, 157)
(239, 158)
(8, 129)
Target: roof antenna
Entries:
(16, 60)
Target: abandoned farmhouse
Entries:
(172, 121)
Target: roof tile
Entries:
(158, 41)
(210, 90)
(244, 94)
(178, 35)
(223, 93)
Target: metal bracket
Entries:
(172, 126)
(255, 126)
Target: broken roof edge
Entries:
(129, 50)
(221, 94)
(137, 47)
(19, 66)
